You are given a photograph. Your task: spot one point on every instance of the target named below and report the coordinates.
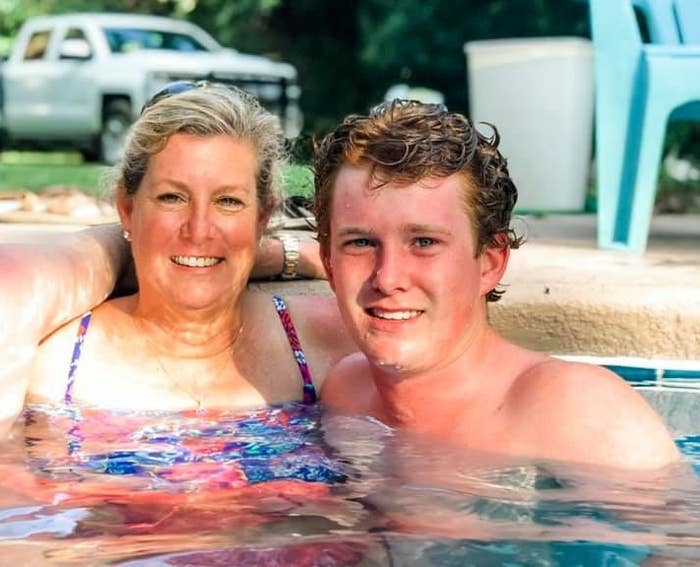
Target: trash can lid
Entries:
(490, 52)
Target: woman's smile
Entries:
(196, 261)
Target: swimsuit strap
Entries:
(293, 338)
(77, 349)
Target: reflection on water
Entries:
(290, 486)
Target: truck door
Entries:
(74, 107)
(24, 78)
(47, 95)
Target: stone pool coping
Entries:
(565, 296)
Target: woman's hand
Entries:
(269, 262)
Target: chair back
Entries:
(639, 88)
(660, 16)
(618, 55)
(671, 22)
(688, 18)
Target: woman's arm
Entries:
(57, 277)
(44, 284)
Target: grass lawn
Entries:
(35, 170)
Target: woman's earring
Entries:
(127, 235)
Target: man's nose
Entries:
(392, 270)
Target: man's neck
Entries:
(430, 400)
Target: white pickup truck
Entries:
(80, 80)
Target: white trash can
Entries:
(538, 92)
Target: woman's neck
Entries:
(190, 333)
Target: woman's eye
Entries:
(229, 202)
(169, 198)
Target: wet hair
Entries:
(210, 110)
(402, 142)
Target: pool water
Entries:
(292, 486)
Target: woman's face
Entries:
(195, 222)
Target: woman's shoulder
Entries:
(318, 319)
(49, 374)
(321, 332)
(62, 348)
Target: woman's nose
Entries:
(199, 225)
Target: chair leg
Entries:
(613, 156)
(634, 217)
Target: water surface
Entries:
(291, 486)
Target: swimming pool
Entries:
(292, 486)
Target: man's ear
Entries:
(494, 261)
(125, 206)
(326, 261)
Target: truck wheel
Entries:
(115, 125)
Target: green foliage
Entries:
(683, 138)
(320, 38)
(348, 55)
(14, 12)
(298, 181)
(421, 43)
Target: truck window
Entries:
(37, 44)
(75, 33)
(125, 40)
(82, 40)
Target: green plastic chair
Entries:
(639, 88)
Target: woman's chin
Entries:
(199, 299)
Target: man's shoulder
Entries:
(553, 377)
(586, 412)
(560, 386)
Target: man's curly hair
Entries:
(403, 142)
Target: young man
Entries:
(413, 207)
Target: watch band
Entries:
(290, 246)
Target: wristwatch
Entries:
(290, 245)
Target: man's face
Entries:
(402, 264)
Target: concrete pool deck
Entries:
(565, 296)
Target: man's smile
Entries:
(394, 315)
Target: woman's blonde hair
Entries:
(209, 109)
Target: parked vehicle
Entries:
(80, 80)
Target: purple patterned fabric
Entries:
(309, 396)
(77, 349)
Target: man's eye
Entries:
(424, 241)
(359, 242)
(169, 198)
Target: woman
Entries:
(195, 190)
(198, 183)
